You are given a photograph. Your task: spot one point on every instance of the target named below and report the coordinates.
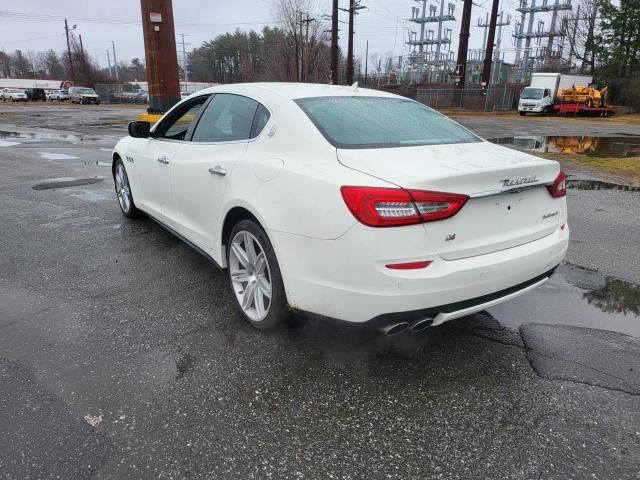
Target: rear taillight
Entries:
(559, 187)
(388, 207)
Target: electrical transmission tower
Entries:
(431, 52)
(501, 23)
(544, 55)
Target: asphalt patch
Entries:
(66, 183)
(584, 355)
(41, 437)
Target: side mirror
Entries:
(139, 129)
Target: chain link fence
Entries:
(120, 93)
(495, 98)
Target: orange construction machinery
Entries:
(591, 97)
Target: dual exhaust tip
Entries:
(417, 326)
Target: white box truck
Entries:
(542, 94)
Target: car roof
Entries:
(294, 91)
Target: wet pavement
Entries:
(121, 357)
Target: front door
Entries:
(155, 159)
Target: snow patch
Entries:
(57, 156)
(4, 143)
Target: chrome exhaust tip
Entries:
(396, 328)
(421, 324)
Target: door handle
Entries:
(163, 160)
(218, 170)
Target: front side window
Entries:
(227, 118)
(175, 126)
(380, 122)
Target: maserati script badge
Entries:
(511, 182)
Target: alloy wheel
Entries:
(122, 188)
(250, 275)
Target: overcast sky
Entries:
(383, 23)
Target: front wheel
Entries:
(254, 276)
(123, 191)
(522, 114)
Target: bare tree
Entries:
(581, 29)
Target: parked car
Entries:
(347, 203)
(35, 94)
(63, 95)
(53, 95)
(83, 95)
(13, 95)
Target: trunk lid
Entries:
(509, 204)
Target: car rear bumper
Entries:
(340, 278)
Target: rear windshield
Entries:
(379, 122)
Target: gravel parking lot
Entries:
(121, 357)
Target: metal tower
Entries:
(433, 46)
(529, 61)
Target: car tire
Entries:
(123, 190)
(252, 263)
(522, 114)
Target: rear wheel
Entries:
(254, 276)
(123, 191)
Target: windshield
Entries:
(379, 122)
(532, 93)
(15, 90)
(88, 91)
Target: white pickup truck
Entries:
(543, 92)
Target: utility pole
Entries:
(488, 55)
(305, 52)
(366, 63)
(354, 6)
(463, 46)
(160, 54)
(115, 62)
(350, 45)
(109, 62)
(334, 43)
(73, 74)
(484, 26)
(185, 67)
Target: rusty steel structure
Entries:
(161, 55)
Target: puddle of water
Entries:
(599, 185)
(36, 136)
(580, 297)
(66, 183)
(56, 156)
(605, 147)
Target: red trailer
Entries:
(582, 109)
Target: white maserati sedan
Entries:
(346, 203)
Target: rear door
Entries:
(202, 168)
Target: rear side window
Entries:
(260, 120)
(379, 122)
(227, 118)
